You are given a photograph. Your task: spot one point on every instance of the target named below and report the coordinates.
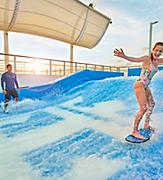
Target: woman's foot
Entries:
(147, 126)
(137, 135)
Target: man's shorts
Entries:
(11, 93)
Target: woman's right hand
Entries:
(4, 92)
(119, 53)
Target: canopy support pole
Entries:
(6, 47)
(71, 58)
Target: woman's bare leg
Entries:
(151, 105)
(142, 101)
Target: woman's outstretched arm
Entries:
(161, 60)
(120, 53)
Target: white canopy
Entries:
(69, 21)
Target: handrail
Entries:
(41, 58)
(29, 65)
(45, 66)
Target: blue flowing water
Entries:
(80, 134)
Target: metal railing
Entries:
(44, 66)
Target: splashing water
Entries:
(80, 135)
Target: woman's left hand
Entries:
(119, 53)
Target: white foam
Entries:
(115, 124)
(94, 168)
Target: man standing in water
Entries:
(8, 82)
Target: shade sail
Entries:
(69, 21)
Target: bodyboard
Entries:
(147, 133)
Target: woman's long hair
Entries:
(157, 44)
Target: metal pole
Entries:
(50, 67)
(150, 35)
(150, 38)
(15, 64)
(71, 58)
(6, 47)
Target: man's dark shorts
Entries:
(10, 93)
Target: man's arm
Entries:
(16, 82)
(2, 82)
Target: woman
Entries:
(142, 91)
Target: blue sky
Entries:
(129, 30)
